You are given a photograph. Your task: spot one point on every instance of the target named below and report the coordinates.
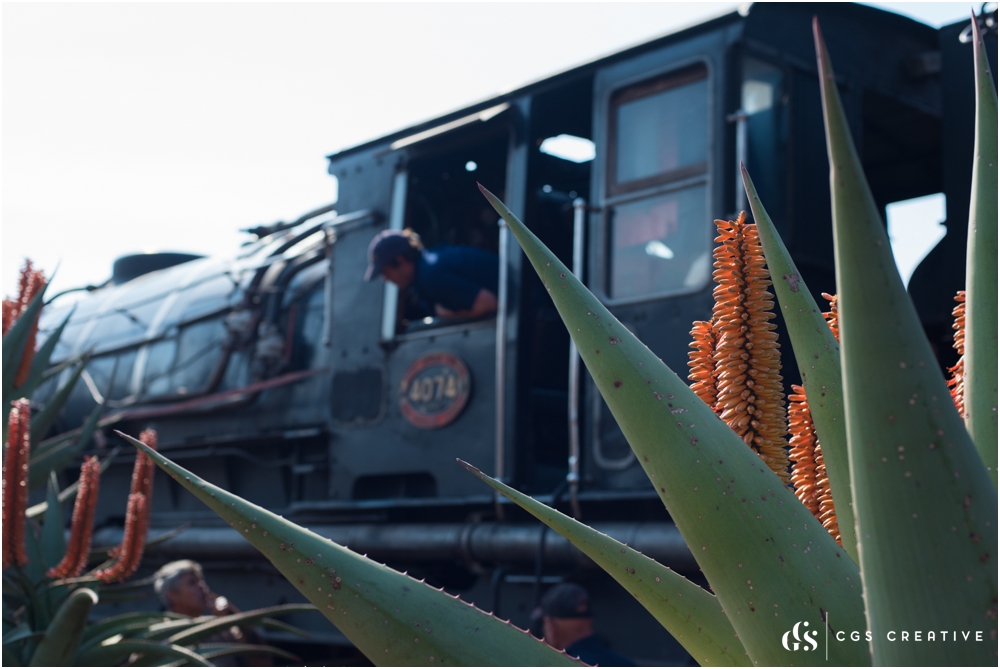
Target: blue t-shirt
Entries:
(593, 651)
(452, 276)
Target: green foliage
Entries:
(817, 353)
(58, 646)
(744, 527)
(690, 613)
(392, 618)
(46, 620)
(926, 507)
(981, 270)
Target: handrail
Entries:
(573, 475)
(499, 468)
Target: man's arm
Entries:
(485, 303)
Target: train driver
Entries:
(448, 281)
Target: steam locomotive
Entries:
(281, 376)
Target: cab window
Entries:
(659, 235)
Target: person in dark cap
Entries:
(450, 281)
(568, 624)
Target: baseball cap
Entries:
(386, 246)
(566, 600)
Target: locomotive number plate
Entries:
(434, 390)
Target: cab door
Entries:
(656, 184)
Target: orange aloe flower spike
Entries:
(827, 514)
(956, 379)
(702, 362)
(747, 360)
(142, 479)
(82, 527)
(15, 484)
(132, 545)
(31, 282)
(9, 314)
(831, 316)
(803, 449)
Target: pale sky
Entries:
(155, 127)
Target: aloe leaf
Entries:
(62, 637)
(281, 626)
(116, 653)
(42, 421)
(216, 650)
(817, 354)
(123, 624)
(980, 394)
(34, 571)
(69, 492)
(690, 613)
(19, 633)
(201, 628)
(925, 505)
(53, 541)
(40, 365)
(57, 457)
(744, 527)
(10, 658)
(392, 618)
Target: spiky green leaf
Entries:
(116, 654)
(980, 393)
(40, 365)
(62, 637)
(744, 527)
(43, 420)
(60, 455)
(53, 541)
(817, 353)
(392, 618)
(213, 651)
(925, 505)
(192, 630)
(690, 613)
(126, 624)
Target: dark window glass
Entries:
(660, 130)
(660, 244)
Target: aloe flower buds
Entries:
(133, 542)
(81, 529)
(803, 449)
(15, 484)
(747, 361)
(31, 283)
(956, 381)
(128, 554)
(702, 362)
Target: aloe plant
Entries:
(391, 617)
(980, 383)
(918, 482)
(46, 604)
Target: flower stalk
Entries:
(31, 283)
(82, 527)
(128, 554)
(747, 361)
(15, 484)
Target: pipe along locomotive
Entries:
(280, 375)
